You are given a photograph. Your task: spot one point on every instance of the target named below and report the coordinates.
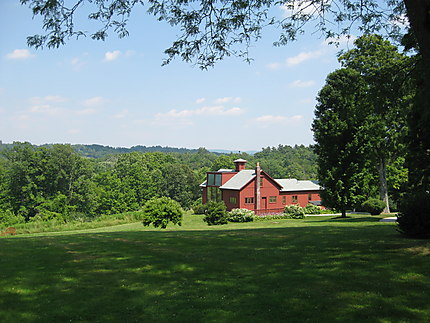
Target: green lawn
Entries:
(312, 270)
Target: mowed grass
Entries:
(313, 270)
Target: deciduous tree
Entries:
(161, 211)
(340, 140)
(389, 90)
(180, 184)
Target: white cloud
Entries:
(111, 56)
(19, 54)
(343, 41)
(296, 60)
(204, 111)
(37, 100)
(47, 109)
(302, 57)
(48, 105)
(77, 63)
(94, 101)
(275, 66)
(227, 100)
(130, 53)
(222, 100)
(271, 120)
(120, 115)
(200, 100)
(301, 84)
(86, 112)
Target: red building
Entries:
(256, 190)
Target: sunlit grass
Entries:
(316, 269)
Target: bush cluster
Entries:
(215, 213)
(269, 217)
(373, 206)
(294, 211)
(312, 209)
(198, 207)
(241, 215)
(8, 218)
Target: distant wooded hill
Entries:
(100, 151)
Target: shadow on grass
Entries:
(326, 273)
(352, 219)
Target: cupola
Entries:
(240, 164)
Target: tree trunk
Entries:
(343, 213)
(383, 185)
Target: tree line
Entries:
(56, 182)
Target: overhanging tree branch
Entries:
(213, 29)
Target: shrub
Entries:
(8, 218)
(269, 217)
(312, 209)
(241, 215)
(414, 217)
(216, 213)
(198, 207)
(294, 211)
(373, 206)
(160, 211)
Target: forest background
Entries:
(82, 182)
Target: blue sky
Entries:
(117, 93)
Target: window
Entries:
(214, 180)
(272, 199)
(218, 179)
(233, 200)
(261, 182)
(309, 197)
(214, 194)
(211, 179)
(249, 200)
(284, 200)
(294, 198)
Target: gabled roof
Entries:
(293, 185)
(239, 180)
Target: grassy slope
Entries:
(317, 269)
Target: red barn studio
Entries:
(255, 190)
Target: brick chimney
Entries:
(240, 164)
(257, 187)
